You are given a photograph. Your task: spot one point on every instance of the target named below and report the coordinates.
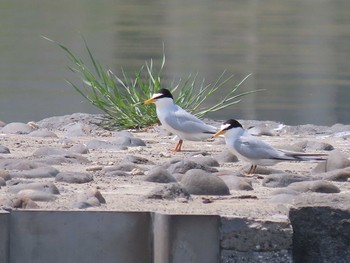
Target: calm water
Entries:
(299, 51)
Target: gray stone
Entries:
(2, 182)
(115, 173)
(318, 186)
(4, 149)
(19, 164)
(60, 159)
(76, 130)
(129, 141)
(125, 167)
(199, 182)
(89, 198)
(262, 170)
(283, 179)
(46, 151)
(226, 156)
(237, 183)
(36, 195)
(336, 175)
(18, 202)
(321, 234)
(79, 148)
(137, 159)
(17, 128)
(170, 191)
(62, 122)
(40, 172)
(74, 177)
(185, 165)
(98, 144)
(308, 146)
(44, 133)
(260, 131)
(5, 174)
(45, 187)
(206, 160)
(336, 160)
(159, 174)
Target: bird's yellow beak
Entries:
(218, 133)
(151, 100)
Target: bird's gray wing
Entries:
(253, 148)
(183, 121)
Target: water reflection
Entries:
(297, 50)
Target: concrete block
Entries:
(186, 238)
(246, 234)
(80, 236)
(281, 256)
(4, 237)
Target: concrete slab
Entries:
(186, 238)
(80, 236)
(4, 237)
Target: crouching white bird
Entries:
(249, 148)
(178, 121)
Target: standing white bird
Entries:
(257, 152)
(178, 121)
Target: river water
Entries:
(299, 51)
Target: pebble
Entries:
(4, 149)
(262, 170)
(200, 182)
(115, 173)
(74, 177)
(185, 165)
(170, 191)
(129, 141)
(159, 174)
(17, 128)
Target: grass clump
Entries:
(121, 97)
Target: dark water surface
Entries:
(299, 51)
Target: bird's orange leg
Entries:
(178, 146)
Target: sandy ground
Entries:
(128, 193)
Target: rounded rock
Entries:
(159, 175)
(199, 182)
(74, 177)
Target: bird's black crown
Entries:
(165, 94)
(232, 124)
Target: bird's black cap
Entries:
(232, 124)
(165, 94)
